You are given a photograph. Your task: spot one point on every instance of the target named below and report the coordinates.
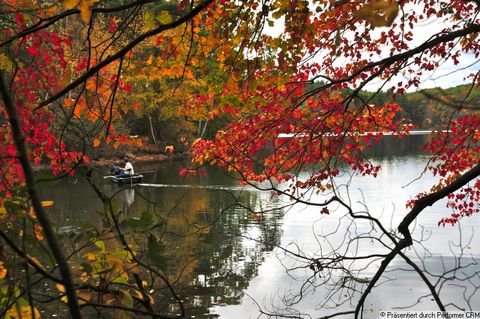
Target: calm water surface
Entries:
(233, 257)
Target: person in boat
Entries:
(128, 168)
(127, 171)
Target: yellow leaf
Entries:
(61, 288)
(140, 296)
(47, 203)
(379, 13)
(91, 256)
(96, 142)
(70, 4)
(85, 10)
(177, 70)
(84, 277)
(164, 17)
(5, 62)
(115, 261)
(149, 19)
(85, 7)
(150, 60)
(21, 312)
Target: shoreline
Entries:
(135, 159)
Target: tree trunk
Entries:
(152, 131)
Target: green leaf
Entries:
(115, 205)
(154, 252)
(145, 221)
(164, 17)
(120, 280)
(149, 19)
(12, 207)
(5, 62)
(127, 299)
(277, 14)
(100, 244)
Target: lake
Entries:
(238, 252)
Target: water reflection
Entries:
(213, 245)
(222, 241)
(127, 197)
(390, 147)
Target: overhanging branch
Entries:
(419, 206)
(42, 217)
(122, 52)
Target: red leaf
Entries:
(32, 51)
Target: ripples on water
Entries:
(240, 260)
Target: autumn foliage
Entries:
(280, 80)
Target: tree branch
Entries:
(122, 52)
(386, 62)
(42, 217)
(419, 206)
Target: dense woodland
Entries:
(222, 80)
(431, 108)
(428, 109)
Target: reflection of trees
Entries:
(213, 245)
(213, 241)
(357, 264)
(393, 147)
(234, 257)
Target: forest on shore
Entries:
(427, 109)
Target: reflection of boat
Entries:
(136, 178)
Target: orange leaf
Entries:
(79, 108)
(3, 270)
(96, 142)
(91, 84)
(70, 4)
(38, 232)
(68, 102)
(47, 203)
(379, 13)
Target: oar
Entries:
(108, 176)
(146, 172)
